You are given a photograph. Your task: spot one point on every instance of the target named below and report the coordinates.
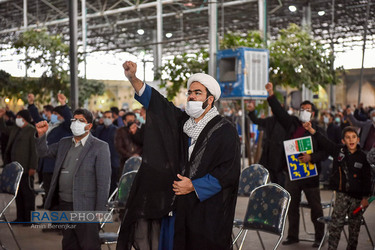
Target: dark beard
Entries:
(205, 104)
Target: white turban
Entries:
(208, 81)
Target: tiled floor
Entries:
(34, 238)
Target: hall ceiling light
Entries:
(140, 32)
(292, 8)
(321, 13)
(189, 3)
(168, 35)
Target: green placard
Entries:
(304, 145)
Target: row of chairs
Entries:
(10, 178)
(267, 206)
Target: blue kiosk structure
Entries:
(242, 75)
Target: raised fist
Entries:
(130, 69)
(61, 98)
(41, 128)
(269, 88)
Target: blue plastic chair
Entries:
(266, 211)
(251, 177)
(133, 163)
(117, 201)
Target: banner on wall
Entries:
(293, 149)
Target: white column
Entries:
(212, 37)
(25, 23)
(73, 53)
(84, 34)
(159, 35)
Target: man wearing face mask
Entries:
(58, 127)
(81, 178)
(21, 148)
(106, 132)
(310, 186)
(334, 129)
(126, 142)
(185, 192)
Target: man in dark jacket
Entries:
(59, 127)
(126, 143)
(310, 186)
(21, 148)
(106, 132)
(273, 149)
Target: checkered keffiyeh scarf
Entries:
(193, 129)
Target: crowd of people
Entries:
(344, 135)
(78, 160)
(184, 194)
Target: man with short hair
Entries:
(106, 132)
(59, 120)
(21, 148)
(310, 186)
(125, 141)
(185, 192)
(81, 177)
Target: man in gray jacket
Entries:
(81, 177)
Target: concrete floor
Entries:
(34, 238)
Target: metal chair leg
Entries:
(12, 232)
(304, 223)
(368, 232)
(238, 236)
(234, 242)
(323, 239)
(243, 239)
(260, 239)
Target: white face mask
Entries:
(107, 122)
(78, 128)
(194, 108)
(19, 122)
(305, 116)
(325, 119)
(373, 118)
(290, 112)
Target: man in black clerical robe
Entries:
(184, 194)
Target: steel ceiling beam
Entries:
(122, 10)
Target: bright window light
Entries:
(168, 35)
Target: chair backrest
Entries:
(10, 178)
(252, 177)
(133, 163)
(124, 187)
(267, 209)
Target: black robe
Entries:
(199, 225)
